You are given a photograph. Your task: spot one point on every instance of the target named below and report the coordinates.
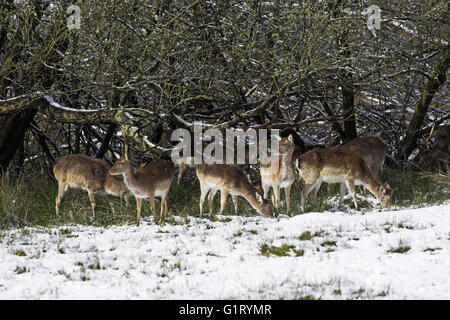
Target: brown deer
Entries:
(371, 148)
(79, 171)
(337, 166)
(281, 175)
(229, 179)
(183, 164)
(150, 181)
(439, 155)
(188, 162)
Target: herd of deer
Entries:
(355, 163)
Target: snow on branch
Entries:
(48, 106)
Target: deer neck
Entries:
(130, 180)
(373, 185)
(251, 198)
(286, 163)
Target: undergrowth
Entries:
(32, 203)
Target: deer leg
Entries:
(211, 195)
(161, 214)
(92, 199)
(276, 194)
(127, 201)
(166, 206)
(342, 192)
(287, 192)
(203, 193)
(152, 204)
(266, 189)
(138, 210)
(306, 190)
(223, 199)
(314, 194)
(61, 191)
(351, 187)
(111, 205)
(235, 202)
(181, 166)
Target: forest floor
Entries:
(396, 253)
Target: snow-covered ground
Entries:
(348, 256)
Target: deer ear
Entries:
(125, 153)
(382, 190)
(291, 138)
(259, 198)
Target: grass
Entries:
(388, 226)
(410, 188)
(307, 235)
(237, 234)
(416, 188)
(328, 244)
(282, 251)
(15, 197)
(431, 249)
(308, 297)
(20, 270)
(95, 266)
(25, 203)
(20, 253)
(399, 250)
(402, 247)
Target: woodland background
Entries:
(309, 67)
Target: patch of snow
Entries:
(349, 256)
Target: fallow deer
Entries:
(150, 181)
(371, 148)
(79, 171)
(336, 166)
(229, 179)
(188, 162)
(439, 155)
(281, 175)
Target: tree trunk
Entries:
(348, 106)
(432, 85)
(105, 143)
(11, 136)
(335, 124)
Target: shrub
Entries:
(15, 202)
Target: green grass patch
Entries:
(328, 243)
(20, 253)
(399, 250)
(412, 188)
(32, 202)
(307, 235)
(308, 297)
(402, 247)
(431, 249)
(95, 266)
(20, 270)
(281, 251)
